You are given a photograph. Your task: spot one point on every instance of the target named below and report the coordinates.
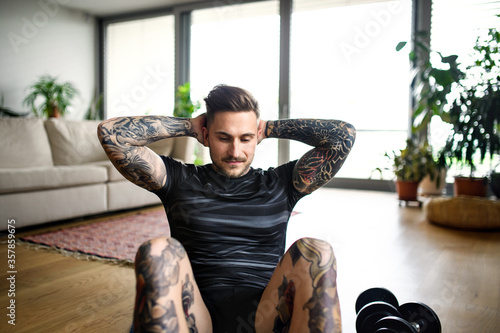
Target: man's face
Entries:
(232, 138)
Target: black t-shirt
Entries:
(233, 229)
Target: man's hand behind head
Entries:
(198, 124)
(262, 131)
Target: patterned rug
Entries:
(114, 240)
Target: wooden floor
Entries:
(377, 243)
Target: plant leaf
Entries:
(400, 46)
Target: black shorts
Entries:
(232, 309)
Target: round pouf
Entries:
(467, 212)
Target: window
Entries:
(239, 45)
(463, 21)
(344, 66)
(139, 67)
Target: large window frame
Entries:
(182, 13)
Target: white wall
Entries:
(43, 37)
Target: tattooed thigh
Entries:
(187, 302)
(157, 273)
(322, 302)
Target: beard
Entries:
(232, 171)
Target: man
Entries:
(224, 269)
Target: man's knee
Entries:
(322, 303)
(159, 255)
(313, 250)
(157, 246)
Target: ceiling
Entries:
(102, 8)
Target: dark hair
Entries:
(228, 98)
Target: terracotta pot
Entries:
(407, 190)
(55, 113)
(471, 186)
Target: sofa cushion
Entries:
(74, 142)
(32, 208)
(40, 178)
(24, 143)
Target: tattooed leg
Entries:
(302, 293)
(187, 302)
(167, 298)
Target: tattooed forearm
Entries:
(157, 275)
(143, 130)
(124, 139)
(332, 139)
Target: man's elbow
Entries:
(348, 134)
(103, 130)
(351, 130)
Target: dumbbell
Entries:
(378, 310)
(373, 305)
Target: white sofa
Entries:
(56, 169)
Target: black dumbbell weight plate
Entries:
(376, 295)
(371, 313)
(394, 324)
(421, 315)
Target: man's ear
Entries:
(205, 136)
(260, 130)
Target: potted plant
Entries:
(431, 85)
(410, 165)
(434, 182)
(56, 97)
(475, 115)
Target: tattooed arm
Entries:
(124, 140)
(332, 141)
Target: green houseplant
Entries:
(56, 97)
(431, 85)
(184, 107)
(410, 165)
(475, 114)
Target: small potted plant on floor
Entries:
(475, 115)
(410, 165)
(49, 98)
(434, 182)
